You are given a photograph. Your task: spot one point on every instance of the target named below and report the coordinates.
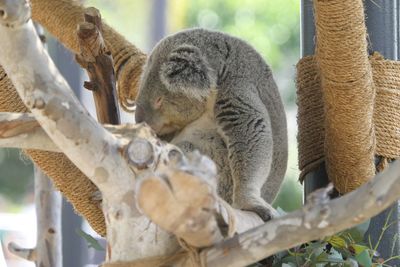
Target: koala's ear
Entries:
(187, 71)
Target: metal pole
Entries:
(158, 20)
(382, 19)
(317, 178)
(383, 29)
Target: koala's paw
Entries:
(257, 205)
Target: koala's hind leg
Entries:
(244, 123)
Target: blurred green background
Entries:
(272, 27)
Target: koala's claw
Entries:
(262, 211)
(260, 207)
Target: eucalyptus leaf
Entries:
(351, 263)
(91, 241)
(335, 256)
(364, 259)
(337, 241)
(358, 249)
(357, 233)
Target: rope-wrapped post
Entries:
(348, 92)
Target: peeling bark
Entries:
(98, 62)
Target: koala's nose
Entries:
(139, 114)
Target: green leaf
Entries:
(337, 241)
(293, 260)
(323, 257)
(335, 256)
(358, 249)
(295, 254)
(357, 233)
(351, 263)
(364, 259)
(92, 242)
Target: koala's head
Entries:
(175, 85)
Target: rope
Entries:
(311, 112)
(348, 92)
(310, 116)
(61, 18)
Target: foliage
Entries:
(90, 240)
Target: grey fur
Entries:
(218, 96)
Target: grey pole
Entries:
(158, 20)
(382, 19)
(383, 30)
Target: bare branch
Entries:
(316, 220)
(24, 253)
(48, 214)
(99, 65)
(23, 131)
(45, 92)
(95, 151)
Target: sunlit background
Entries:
(271, 26)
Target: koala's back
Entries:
(239, 67)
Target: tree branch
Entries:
(318, 218)
(24, 253)
(94, 150)
(21, 130)
(48, 215)
(98, 63)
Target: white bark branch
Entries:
(2, 258)
(48, 212)
(317, 219)
(28, 254)
(20, 130)
(50, 100)
(95, 151)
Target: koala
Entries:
(209, 91)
